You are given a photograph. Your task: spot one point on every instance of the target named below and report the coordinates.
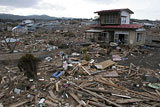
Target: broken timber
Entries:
(19, 103)
(105, 64)
(99, 96)
(75, 97)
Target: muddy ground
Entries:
(150, 60)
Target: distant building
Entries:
(27, 22)
(149, 25)
(89, 22)
(114, 26)
(19, 30)
(29, 26)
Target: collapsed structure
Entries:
(114, 26)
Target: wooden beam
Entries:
(86, 70)
(49, 103)
(124, 101)
(52, 95)
(19, 103)
(123, 96)
(57, 88)
(99, 96)
(98, 90)
(53, 100)
(98, 104)
(75, 98)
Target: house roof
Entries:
(122, 26)
(115, 10)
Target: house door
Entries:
(111, 36)
(105, 36)
(121, 37)
(116, 38)
(126, 39)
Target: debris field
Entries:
(87, 77)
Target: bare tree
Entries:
(9, 40)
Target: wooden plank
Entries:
(123, 96)
(105, 64)
(99, 96)
(158, 93)
(75, 67)
(49, 103)
(97, 72)
(57, 88)
(19, 103)
(124, 101)
(52, 94)
(98, 104)
(112, 74)
(75, 98)
(80, 92)
(86, 70)
(98, 90)
(53, 100)
(104, 81)
(36, 99)
(142, 94)
(86, 84)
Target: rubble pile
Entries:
(67, 80)
(75, 72)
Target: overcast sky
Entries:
(143, 9)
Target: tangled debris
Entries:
(69, 81)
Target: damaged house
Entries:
(114, 26)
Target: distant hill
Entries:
(18, 17)
(45, 17)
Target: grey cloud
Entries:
(19, 3)
(102, 1)
(6, 9)
(48, 6)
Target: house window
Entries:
(123, 19)
(139, 37)
(110, 19)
